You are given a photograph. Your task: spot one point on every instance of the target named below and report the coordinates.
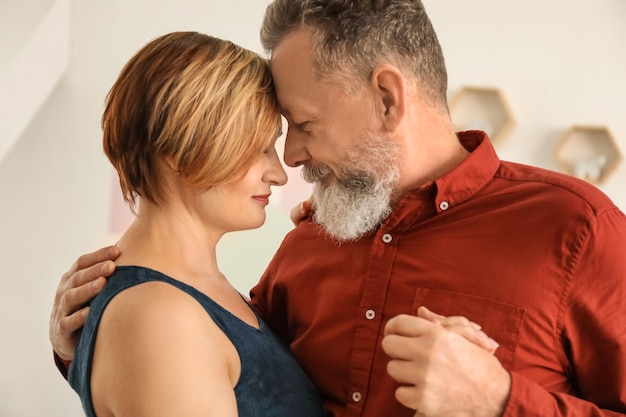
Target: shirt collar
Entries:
(452, 188)
(471, 175)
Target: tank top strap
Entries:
(225, 320)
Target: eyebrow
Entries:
(303, 109)
(303, 114)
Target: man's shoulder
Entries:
(307, 231)
(307, 239)
(562, 188)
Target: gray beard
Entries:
(357, 202)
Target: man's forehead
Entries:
(299, 109)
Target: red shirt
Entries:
(537, 258)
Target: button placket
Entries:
(368, 329)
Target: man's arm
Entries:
(84, 280)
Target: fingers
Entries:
(404, 371)
(74, 298)
(406, 396)
(429, 315)
(399, 347)
(90, 274)
(414, 326)
(476, 336)
(407, 325)
(462, 326)
(308, 204)
(402, 333)
(109, 253)
(64, 332)
(70, 324)
(443, 320)
(88, 268)
(301, 211)
(297, 214)
(82, 284)
(84, 280)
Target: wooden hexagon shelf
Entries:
(588, 152)
(482, 108)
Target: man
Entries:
(413, 215)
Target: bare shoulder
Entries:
(159, 318)
(156, 339)
(144, 303)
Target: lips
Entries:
(263, 199)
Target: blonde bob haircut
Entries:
(205, 105)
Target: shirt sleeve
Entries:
(258, 296)
(267, 299)
(592, 329)
(62, 366)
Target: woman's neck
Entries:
(172, 243)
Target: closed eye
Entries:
(272, 147)
(304, 126)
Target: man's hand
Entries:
(78, 286)
(441, 368)
(462, 326)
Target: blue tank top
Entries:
(271, 383)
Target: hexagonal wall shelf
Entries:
(588, 152)
(482, 108)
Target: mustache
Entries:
(313, 174)
(355, 181)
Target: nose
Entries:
(278, 176)
(296, 153)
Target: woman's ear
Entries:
(171, 165)
(390, 87)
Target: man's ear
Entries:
(390, 87)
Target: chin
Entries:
(258, 225)
(258, 222)
(248, 226)
(248, 222)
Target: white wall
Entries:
(558, 62)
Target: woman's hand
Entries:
(302, 211)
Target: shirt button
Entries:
(444, 205)
(370, 314)
(356, 396)
(387, 238)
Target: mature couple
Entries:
(407, 214)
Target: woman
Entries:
(190, 127)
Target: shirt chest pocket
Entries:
(502, 322)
